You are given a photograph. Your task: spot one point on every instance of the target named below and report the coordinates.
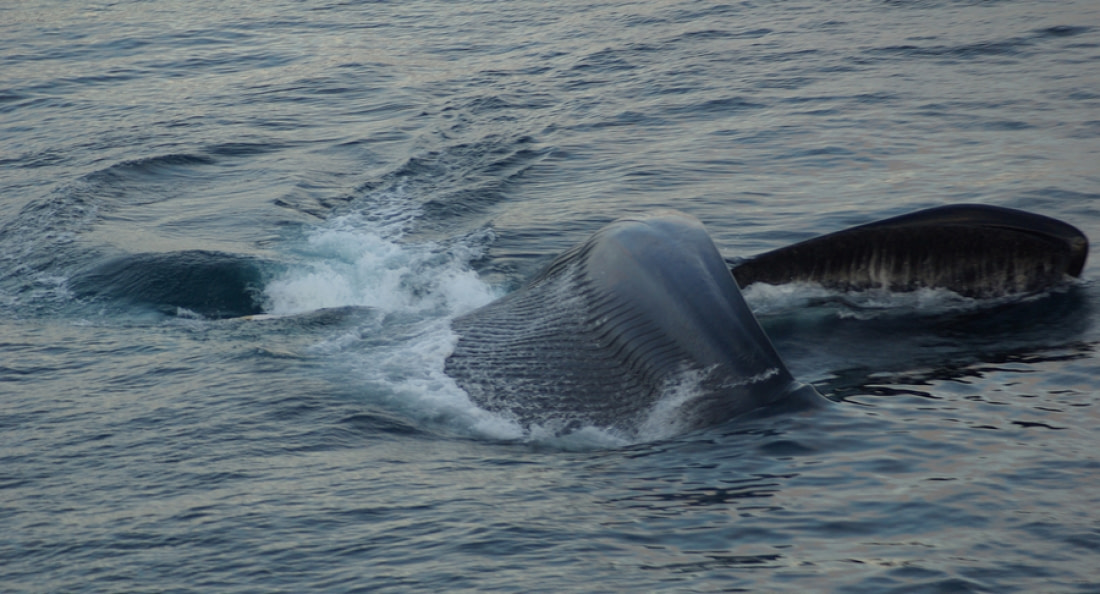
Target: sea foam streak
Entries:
(768, 300)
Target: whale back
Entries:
(975, 250)
(642, 317)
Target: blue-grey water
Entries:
(233, 236)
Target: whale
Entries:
(644, 325)
(644, 322)
(975, 250)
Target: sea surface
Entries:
(233, 237)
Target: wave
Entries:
(210, 284)
(1006, 47)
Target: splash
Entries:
(394, 358)
(357, 261)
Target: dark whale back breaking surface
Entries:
(640, 325)
(975, 250)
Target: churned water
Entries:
(233, 236)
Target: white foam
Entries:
(352, 262)
(584, 438)
(765, 300)
(869, 304)
(409, 373)
(397, 356)
(666, 418)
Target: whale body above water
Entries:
(645, 322)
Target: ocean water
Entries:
(233, 237)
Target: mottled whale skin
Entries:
(974, 250)
(643, 318)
